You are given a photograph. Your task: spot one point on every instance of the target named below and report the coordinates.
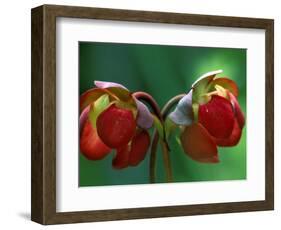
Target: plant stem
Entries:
(152, 162)
(165, 147)
(170, 104)
(153, 104)
(167, 161)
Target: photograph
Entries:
(161, 113)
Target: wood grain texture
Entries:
(269, 116)
(44, 114)
(37, 188)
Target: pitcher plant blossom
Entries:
(112, 118)
(209, 115)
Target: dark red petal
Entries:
(121, 160)
(139, 146)
(217, 116)
(237, 110)
(233, 139)
(227, 84)
(91, 145)
(116, 126)
(198, 144)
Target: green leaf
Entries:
(97, 107)
(158, 126)
(169, 126)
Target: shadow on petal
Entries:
(233, 139)
(198, 144)
(121, 160)
(139, 146)
(83, 118)
(237, 109)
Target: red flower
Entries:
(211, 116)
(111, 118)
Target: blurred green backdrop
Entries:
(162, 71)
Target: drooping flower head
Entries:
(112, 118)
(210, 116)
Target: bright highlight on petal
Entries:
(238, 112)
(107, 84)
(206, 77)
(83, 117)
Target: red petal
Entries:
(234, 137)
(198, 144)
(121, 159)
(139, 146)
(91, 145)
(116, 126)
(227, 84)
(237, 109)
(217, 117)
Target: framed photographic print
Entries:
(140, 114)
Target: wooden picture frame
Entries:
(43, 208)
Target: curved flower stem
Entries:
(150, 100)
(152, 162)
(153, 104)
(167, 161)
(170, 104)
(165, 147)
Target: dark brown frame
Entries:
(43, 202)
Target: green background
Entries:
(162, 71)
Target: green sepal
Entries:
(202, 86)
(195, 108)
(178, 141)
(129, 106)
(169, 127)
(97, 108)
(158, 126)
